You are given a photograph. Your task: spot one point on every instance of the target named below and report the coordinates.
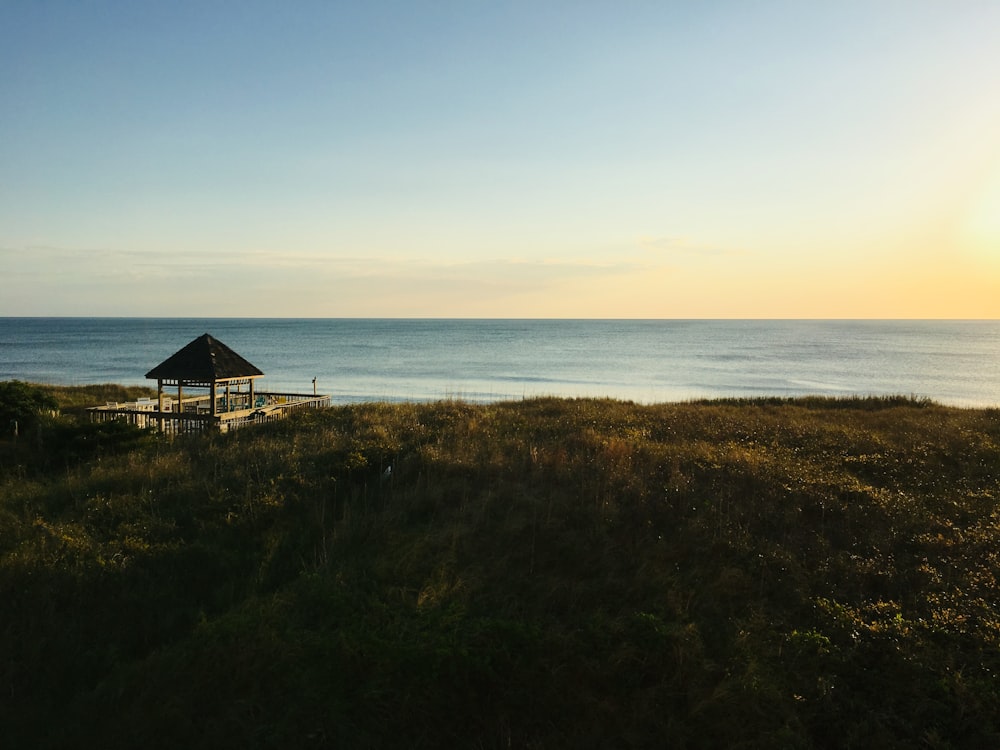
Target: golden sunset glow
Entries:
(981, 227)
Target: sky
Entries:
(500, 159)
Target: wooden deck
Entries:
(195, 413)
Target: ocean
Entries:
(647, 361)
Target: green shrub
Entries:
(21, 406)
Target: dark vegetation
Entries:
(542, 574)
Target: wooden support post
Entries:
(159, 401)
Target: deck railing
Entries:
(194, 414)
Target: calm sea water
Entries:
(954, 362)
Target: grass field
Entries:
(545, 573)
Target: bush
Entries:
(21, 406)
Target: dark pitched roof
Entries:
(203, 360)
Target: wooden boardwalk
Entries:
(195, 415)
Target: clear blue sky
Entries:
(501, 159)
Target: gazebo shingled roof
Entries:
(204, 360)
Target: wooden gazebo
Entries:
(205, 363)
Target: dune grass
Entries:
(75, 398)
(546, 573)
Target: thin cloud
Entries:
(53, 280)
(682, 246)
